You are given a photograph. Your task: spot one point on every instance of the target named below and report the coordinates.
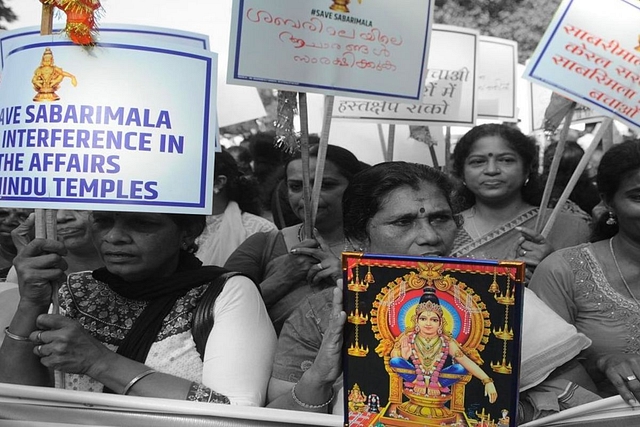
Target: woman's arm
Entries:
(239, 352)
(39, 264)
(313, 392)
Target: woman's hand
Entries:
(63, 344)
(328, 265)
(39, 264)
(623, 370)
(491, 392)
(292, 268)
(532, 247)
(328, 363)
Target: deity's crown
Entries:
(429, 306)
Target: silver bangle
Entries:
(137, 378)
(307, 405)
(14, 336)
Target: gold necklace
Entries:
(624, 281)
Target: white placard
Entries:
(595, 62)
(136, 132)
(496, 83)
(449, 96)
(370, 49)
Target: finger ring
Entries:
(39, 336)
(631, 378)
(319, 265)
(39, 351)
(524, 252)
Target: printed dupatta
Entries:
(499, 243)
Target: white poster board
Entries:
(126, 133)
(235, 103)
(372, 49)
(595, 62)
(449, 96)
(496, 86)
(117, 33)
(540, 97)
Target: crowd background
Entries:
(491, 198)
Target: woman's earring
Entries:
(215, 190)
(184, 245)
(526, 181)
(612, 219)
(440, 330)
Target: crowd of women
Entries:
(246, 313)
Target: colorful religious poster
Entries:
(449, 96)
(112, 127)
(496, 83)
(370, 49)
(595, 62)
(431, 341)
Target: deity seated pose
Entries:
(429, 361)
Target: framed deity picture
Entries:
(431, 341)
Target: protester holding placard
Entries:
(275, 259)
(497, 165)
(142, 325)
(595, 286)
(236, 209)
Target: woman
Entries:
(426, 348)
(596, 286)
(128, 327)
(274, 260)
(497, 166)
(396, 208)
(236, 210)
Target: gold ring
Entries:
(39, 350)
(631, 378)
(319, 265)
(39, 336)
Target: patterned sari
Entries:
(571, 228)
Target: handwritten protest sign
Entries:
(116, 128)
(496, 83)
(449, 94)
(595, 62)
(374, 48)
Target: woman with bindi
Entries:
(497, 166)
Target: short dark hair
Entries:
(242, 189)
(346, 162)
(617, 163)
(523, 145)
(367, 190)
